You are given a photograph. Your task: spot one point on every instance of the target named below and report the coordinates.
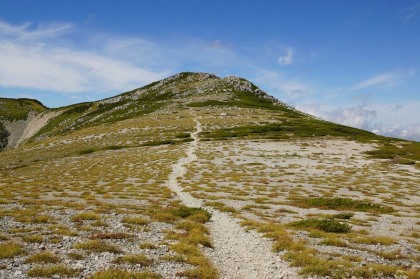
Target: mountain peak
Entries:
(177, 93)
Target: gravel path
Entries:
(237, 253)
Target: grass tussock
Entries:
(333, 241)
(43, 257)
(193, 233)
(86, 216)
(33, 238)
(4, 237)
(10, 250)
(99, 246)
(50, 270)
(62, 230)
(384, 271)
(139, 221)
(372, 240)
(30, 216)
(75, 256)
(326, 225)
(111, 236)
(191, 254)
(343, 204)
(200, 273)
(135, 259)
(278, 233)
(193, 213)
(124, 274)
(344, 215)
(312, 264)
(147, 245)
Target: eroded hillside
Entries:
(201, 177)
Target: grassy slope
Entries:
(17, 109)
(154, 97)
(84, 115)
(295, 124)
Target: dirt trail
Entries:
(237, 253)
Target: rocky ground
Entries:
(80, 211)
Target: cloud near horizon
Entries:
(365, 117)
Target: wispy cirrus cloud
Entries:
(65, 70)
(411, 12)
(292, 88)
(29, 58)
(387, 79)
(45, 57)
(287, 58)
(26, 31)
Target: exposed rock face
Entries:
(20, 131)
(4, 134)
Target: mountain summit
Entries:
(24, 120)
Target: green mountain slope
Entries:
(174, 93)
(186, 91)
(18, 109)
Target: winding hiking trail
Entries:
(238, 254)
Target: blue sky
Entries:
(355, 62)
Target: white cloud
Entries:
(411, 132)
(358, 116)
(29, 60)
(23, 32)
(116, 45)
(65, 70)
(294, 89)
(286, 59)
(385, 79)
(382, 119)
